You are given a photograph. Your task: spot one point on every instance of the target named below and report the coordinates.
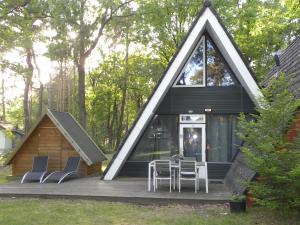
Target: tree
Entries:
(105, 94)
(165, 24)
(20, 23)
(268, 149)
(260, 27)
(86, 21)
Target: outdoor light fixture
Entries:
(208, 109)
(191, 111)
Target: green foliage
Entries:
(238, 198)
(268, 149)
(166, 24)
(14, 113)
(104, 94)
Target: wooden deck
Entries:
(123, 190)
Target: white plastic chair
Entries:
(162, 171)
(187, 171)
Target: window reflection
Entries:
(222, 139)
(193, 71)
(192, 142)
(159, 141)
(218, 73)
(206, 66)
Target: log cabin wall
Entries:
(46, 139)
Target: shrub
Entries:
(269, 151)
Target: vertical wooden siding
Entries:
(46, 139)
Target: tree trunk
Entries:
(3, 99)
(124, 92)
(41, 89)
(66, 88)
(30, 104)
(74, 96)
(41, 95)
(49, 94)
(108, 118)
(81, 91)
(114, 123)
(61, 87)
(28, 78)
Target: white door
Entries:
(192, 141)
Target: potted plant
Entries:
(238, 203)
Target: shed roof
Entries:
(74, 133)
(289, 59)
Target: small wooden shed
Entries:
(59, 136)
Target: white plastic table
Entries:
(200, 166)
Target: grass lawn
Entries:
(4, 171)
(86, 212)
(3, 179)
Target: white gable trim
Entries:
(206, 21)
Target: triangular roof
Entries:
(73, 132)
(289, 63)
(208, 21)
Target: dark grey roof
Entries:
(78, 136)
(73, 132)
(289, 65)
(239, 175)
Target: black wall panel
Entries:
(231, 99)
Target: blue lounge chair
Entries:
(39, 170)
(71, 170)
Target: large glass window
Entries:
(159, 141)
(206, 67)
(218, 73)
(193, 73)
(222, 141)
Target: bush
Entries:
(269, 151)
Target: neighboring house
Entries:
(59, 136)
(194, 108)
(9, 136)
(288, 62)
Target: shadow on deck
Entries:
(133, 190)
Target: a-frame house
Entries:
(193, 110)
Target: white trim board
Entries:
(207, 21)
